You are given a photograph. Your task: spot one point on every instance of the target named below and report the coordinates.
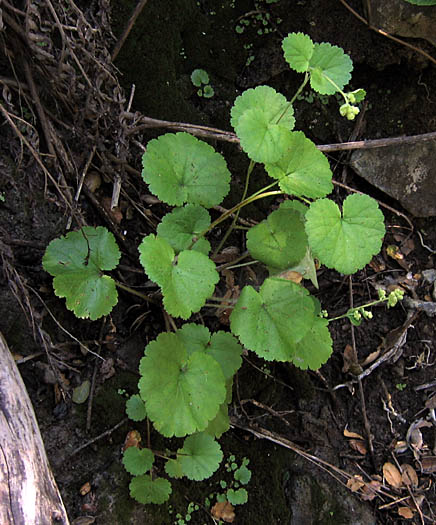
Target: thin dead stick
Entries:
(100, 436)
(39, 162)
(130, 24)
(377, 143)
(392, 347)
(334, 471)
(228, 136)
(366, 423)
(384, 33)
(82, 179)
(93, 381)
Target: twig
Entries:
(40, 163)
(100, 436)
(82, 179)
(366, 422)
(228, 136)
(94, 377)
(334, 471)
(392, 349)
(384, 33)
(130, 24)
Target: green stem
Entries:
(242, 264)
(357, 308)
(134, 292)
(299, 90)
(235, 218)
(243, 203)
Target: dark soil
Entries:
(167, 42)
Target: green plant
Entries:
(401, 386)
(186, 376)
(200, 79)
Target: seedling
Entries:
(200, 79)
(186, 376)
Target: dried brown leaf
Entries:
(223, 510)
(409, 475)
(349, 434)
(370, 358)
(369, 491)
(406, 512)
(358, 445)
(355, 483)
(349, 361)
(85, 489)
(428, 464)
(133, 439)
(290, 275)
(392, 475)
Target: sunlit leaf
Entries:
(182, 392)
(200, 456)
(302, 169)
(272, 321)
(182, 226)
(77, 262)
(186, 280)
(181, 169)
(345, 241)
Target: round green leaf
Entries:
(280, 241)
(222, 346)
(76, 262)
(146, 490)
(237, 497)
(180, 168)
(182, 393)
(243, 475)
(226, 350)
(199, 77)
(315, 348)
(195, 337)
(220, 423)
(330, 69)
(186, 280)
(274, 105)
(208, 92)
(298, 50)
(302, 169)
(138, 461)
(135, 408)
(200, 456)
(348, 242)
(270, 322)
(261, 139)
(173, 468)
(182, 226)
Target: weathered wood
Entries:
(28, 492)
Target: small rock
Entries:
(405, 172)
(398, 17)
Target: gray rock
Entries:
(405, 172)
(398, 17)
